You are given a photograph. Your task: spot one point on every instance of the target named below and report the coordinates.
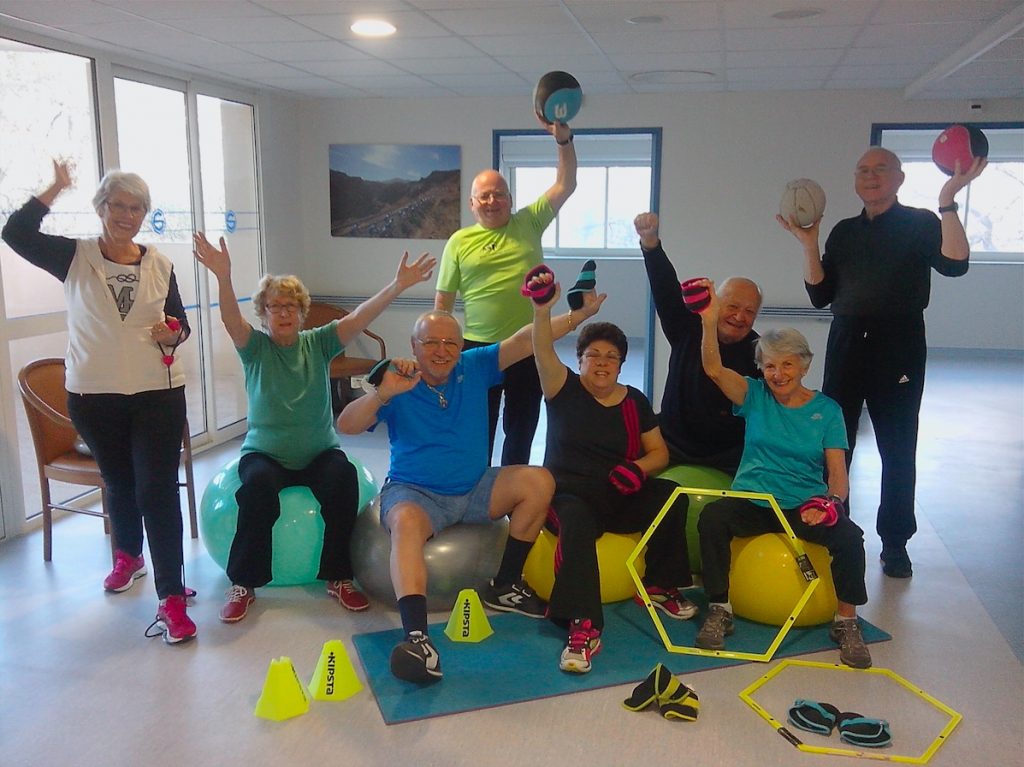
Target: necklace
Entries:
(442, 400)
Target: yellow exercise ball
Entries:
(765, 582)
(612, 551)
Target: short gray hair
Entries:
(780, 342)
(120, 181)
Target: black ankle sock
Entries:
(586, 282)
(512, 561)
(413, 609)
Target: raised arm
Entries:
(49, 252)
(354, 323)
(732, 384)
(519, 346)
(565, 176)
(218, 261)
(550, 369)
(360, 414)
(954, 238)
(808, 239)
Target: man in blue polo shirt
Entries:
(435, 407)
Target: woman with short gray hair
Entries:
(794, 437)
(126, 387)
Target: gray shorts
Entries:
(443, 510)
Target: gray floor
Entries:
(80, 685)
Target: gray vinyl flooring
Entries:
(80, 685)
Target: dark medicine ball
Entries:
(958, 142)
(557, 97)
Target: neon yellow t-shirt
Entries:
(488, 266)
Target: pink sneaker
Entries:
(172, 620)
(237, 603)
(126, 569)
(349, 596)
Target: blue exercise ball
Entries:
(459, 557)
(298, 533)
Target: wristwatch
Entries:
(951, 208)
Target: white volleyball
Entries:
(803, 199)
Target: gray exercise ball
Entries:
(459, 557)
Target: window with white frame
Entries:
(991, 207)
(614, 183)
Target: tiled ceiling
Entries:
(970, 49)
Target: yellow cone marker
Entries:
(334, 678)
(284, 695)
(468, 622)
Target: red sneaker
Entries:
(237, 603)
(350, 597)
(172, 620)
(126, 569)
(669, 601)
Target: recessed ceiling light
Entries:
(797, 13)
(673, 76)
(373, 28)
(645, 20)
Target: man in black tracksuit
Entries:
(876, 274)
(696, 419)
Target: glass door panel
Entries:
(227, 154)
(152, 134)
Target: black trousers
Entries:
(881, 363)
(331, 479)
(136, 440)
(522, 409)
(729, 518)
(582, 515)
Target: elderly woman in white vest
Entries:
(126, 389)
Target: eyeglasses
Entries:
(492, 197)
(135, 211)
(611, 357)
(283, 308)
(433, 344)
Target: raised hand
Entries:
(806, 236)
(646, 225)
(418, 271)
(63, 171)
(400, 376)
(216, 260)
(960, 179)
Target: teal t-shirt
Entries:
(784, 447)
(288, 388)
(488, 266)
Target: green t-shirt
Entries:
(488, 266)
(288, 388)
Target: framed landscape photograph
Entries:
(408, 191)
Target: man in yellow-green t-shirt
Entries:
(487, 262)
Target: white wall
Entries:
(725, 160)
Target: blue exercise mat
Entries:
(519, 662)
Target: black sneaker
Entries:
(416, 659)
(515, 598)
(896, 562)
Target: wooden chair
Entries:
(53, 436)
(343, 367)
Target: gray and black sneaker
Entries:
(515, 598)
(717, 626)
(416, 659)
(852, 650)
